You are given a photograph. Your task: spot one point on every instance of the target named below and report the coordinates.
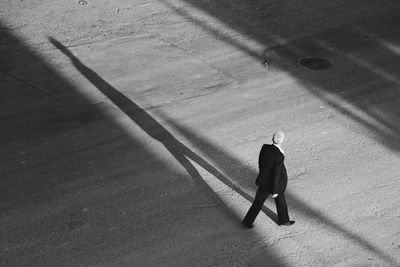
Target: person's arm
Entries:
(260, 158)
(277, 179)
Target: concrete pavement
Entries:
(131, 130)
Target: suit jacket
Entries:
(272, 175)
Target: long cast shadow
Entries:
(65, 171)
(182, 153)
(154, 129)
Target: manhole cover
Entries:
(315, 63)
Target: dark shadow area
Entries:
(249, 18)
(70, 175)
(154, 129)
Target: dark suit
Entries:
(272, 179)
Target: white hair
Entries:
(278, 137)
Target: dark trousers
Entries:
(261, 196)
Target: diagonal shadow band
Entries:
(288, 48)
(181, 153)
(154, 129)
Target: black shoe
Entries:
(247, 225)
(289, 223)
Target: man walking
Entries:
(271, 180)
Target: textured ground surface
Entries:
(130, 132)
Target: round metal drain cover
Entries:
(315, 63)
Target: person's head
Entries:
(278, 137)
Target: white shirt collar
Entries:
(283, 152)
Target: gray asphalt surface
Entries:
(130, 132)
